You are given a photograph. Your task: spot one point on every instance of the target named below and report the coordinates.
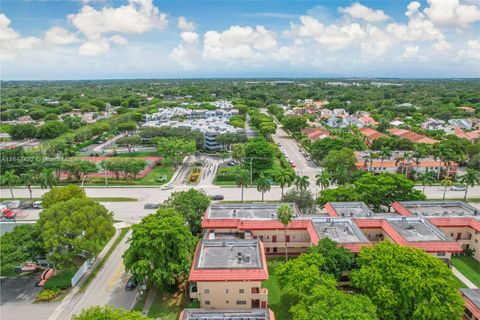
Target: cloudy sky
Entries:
(54, 39)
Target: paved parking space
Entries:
(17, 296)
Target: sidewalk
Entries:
(464, 279)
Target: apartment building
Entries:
(471, 297)
(456, 219)
(228, 274)
(206, 314)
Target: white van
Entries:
(37, 204)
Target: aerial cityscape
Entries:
(233, 160)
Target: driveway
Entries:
(17, 296)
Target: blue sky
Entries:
(172, 39)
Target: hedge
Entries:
(61, 281)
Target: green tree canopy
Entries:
(61, 194)
(340, 164)
(191, 205)
(407, 283)
(161, 249)
(294, 123)
(261, 154)
(337, 258)
(129, 142)
(70, 227)
(108, 313)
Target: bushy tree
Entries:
(294, 123)
(175, 148)
(302, 198)
(340, 164)
(23, 131)
(407, 283)
(108, 313)
(71, 227)
(161, 250)
(261, 154)
(129, 142)
(191, 205)
(51, 129)
(337, 258)
(61, 194)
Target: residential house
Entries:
(315, 134)
(433, 124)
(471, 297)
(412, 136)
(371, 134)
(464, 124)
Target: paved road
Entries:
(133, 211)
(107, 288)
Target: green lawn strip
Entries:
(139, 154)
(469, 267)
(99, 199)
(102, 262)
(278, 300)
(168, 306)
(152, 177)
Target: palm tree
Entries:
(47, 178)
(385, 153)
(263, 184)
(241, 180)
(302, 183)
(367, 160)
(323, 180)
(341, 175)
(418, 153)
(426, 178)
(284, 177)
(401, 159)
(10, 178)
(285, 215)
(470, 179)
(446, 182)
(28, 178)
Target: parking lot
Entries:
(17, 296)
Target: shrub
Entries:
(60, 281)
(47, 295)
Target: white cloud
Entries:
(442, 45)
(138, 16)
(91, 49)
(57, 35)
(189, 37)
(238, 43)
(410, 52)
(117, 39)
(471, 52)
(185, 25)
(359, 11)
(11, 43)
(451, 13)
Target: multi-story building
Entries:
(228, 274)
(471, 297)
(167, 114)
(209, 314)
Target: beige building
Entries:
(228, 274)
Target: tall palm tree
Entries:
(28, 178)
(241, 179)
(446, 182)
(470, 179)
(385, 153)
(10, 178)
(285, 215)
(419, 152)
(401, 159)
(263, 184)
(302, 183)
(426, 178)
(47, 178)
(284, 177)
(323, 180)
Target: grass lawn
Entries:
(278, 300)
(469, 267)
(158, 171)
(167, 306)
(140, 154)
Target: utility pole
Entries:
(251, 173)
(105, 170)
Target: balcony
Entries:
(260, 293)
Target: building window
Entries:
(241, 290)
(226, 290)
(268, 250)
(441, 254)
(206, 291)
(227, 302)
(275, 249)
(207, 302)
(260, 237)
(242, 302)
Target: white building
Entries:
(167, 114)
(433, 124)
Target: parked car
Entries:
(8, 213)
(166, 187)
(457, 188)
(218, 197)
(131, 284)
(84, 150)
(37, 204)
(151, 206)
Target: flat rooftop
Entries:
(417, 229)
(351, 209)
(213, 235)
(247, 211)
(472, 295)
(340, 230)
(251, 314)
(440, 208)
(229, 254)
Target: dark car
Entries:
(218, 197)
(131, 284)
(151, 206)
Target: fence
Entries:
(81, 271)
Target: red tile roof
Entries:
(412, 136)
(260, 274)
(370, 133)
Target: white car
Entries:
(457, 188)
(37, 204)
(166, 187)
